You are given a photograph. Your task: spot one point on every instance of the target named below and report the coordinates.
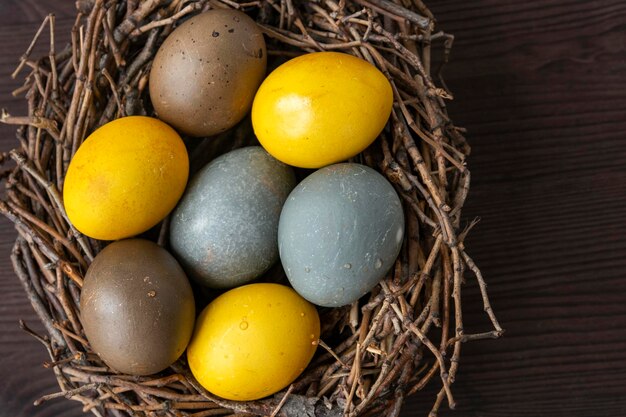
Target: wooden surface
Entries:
(541, 86)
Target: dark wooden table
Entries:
(541, 87)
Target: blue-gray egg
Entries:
(224, 229)
(340, 231)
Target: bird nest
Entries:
(406, 333)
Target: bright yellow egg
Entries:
(321, 108)
(125, 178)
(252, 341)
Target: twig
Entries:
(67, 394)
(29, 50)
(282, 401)
(167, 21)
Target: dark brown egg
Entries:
(137, 307)
(207, 71)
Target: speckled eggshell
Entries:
(224, 230)
(137, 307)
(206, 73)
(340, 232)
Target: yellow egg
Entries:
(125, 178)
(321, 108)
(252, 341)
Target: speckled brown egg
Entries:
(207, 71)
(137, 307)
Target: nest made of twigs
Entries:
(402, 335)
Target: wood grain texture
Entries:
(541, 86)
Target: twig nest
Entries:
(391, 342)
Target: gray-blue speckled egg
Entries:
(224, 229)
(340, 232)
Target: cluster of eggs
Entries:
(336, 233)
